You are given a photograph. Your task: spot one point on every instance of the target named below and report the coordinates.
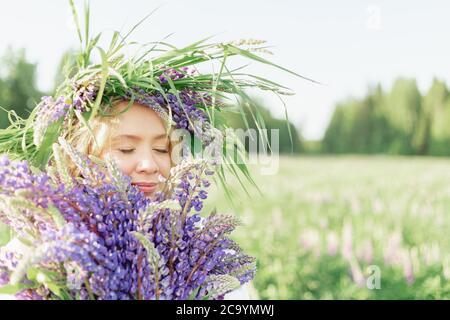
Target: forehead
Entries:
(139, 122)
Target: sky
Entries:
(345, 45)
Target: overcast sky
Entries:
(346, 45)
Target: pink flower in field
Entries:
(347, 241)
(332, 243)
(366, 252)
(355, 205)
(393, 251)
(408, 268)
(377, 206)
(309, 240)
(357, 275)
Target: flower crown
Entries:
(182, 110)
(163, 77)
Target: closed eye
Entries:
(126, 151)
(161, 150)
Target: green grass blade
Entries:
(77, 22)
(245, 53)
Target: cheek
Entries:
(125, 164)
(164, 165)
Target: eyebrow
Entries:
(134, 137)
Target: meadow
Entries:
(347, 227)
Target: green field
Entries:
(324, 220)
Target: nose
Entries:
(147, 165)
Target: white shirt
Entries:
(241, 293)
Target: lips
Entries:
(146, 187)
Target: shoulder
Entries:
(241, 293)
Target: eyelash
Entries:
(128, 151)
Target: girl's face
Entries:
(140, 147)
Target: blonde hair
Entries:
(95, 139)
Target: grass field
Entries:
(349, 228)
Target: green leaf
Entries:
(113, 42)
(57, 216)
(45, 148)
(48, 278)
(28, 126)
(5, 234)
(75, 17)
(55, 289)
(104, 77)
(15, 288)
(32, 273)
(245, 53)
(175, 53)
(138, 24)
(116, 74)
(194, 293)
(86, 23)
(82, 117)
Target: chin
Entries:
(149, 195)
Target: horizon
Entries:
(371, 42)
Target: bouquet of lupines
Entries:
(97, 236)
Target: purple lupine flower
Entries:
(4, 278)
(84, 94)
(48, 112)
(347, 241)
(110, 247)
(184, 108)
(174, 74)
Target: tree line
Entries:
(18, 85)
(399, 121)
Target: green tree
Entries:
(357, 126)
(437, 106)
(262, 113)
(18, 90)
(379, 122)
(402, 109)
(333, 134)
